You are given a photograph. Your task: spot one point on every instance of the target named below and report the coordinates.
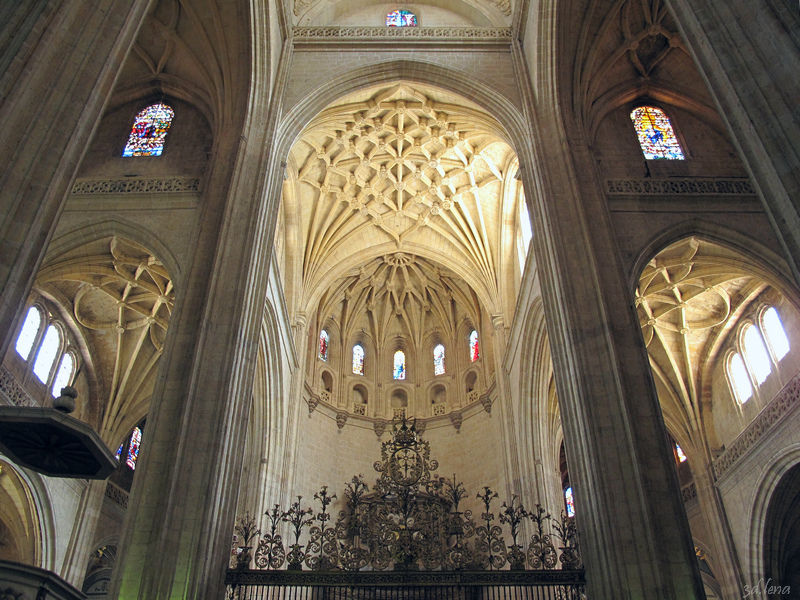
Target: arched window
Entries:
(28, 333)
(681, 457)
(525, 231)
(756, 354)
(358, 360)
(569, 502)
(48, 351)
(63, 375)
(438, 360)
(149, 131)
(399, 370)
(474, 351)
(656, 136)
(323, 345)
(774, 333)
(401, 18)
(133, 448)
(740, 380)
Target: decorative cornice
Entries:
(786, 400)
(137, 185)
(14, 390)
(679, 186)
(316, 34)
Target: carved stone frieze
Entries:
(450, 33)
(13, 390)
(679, 186)
(785, 401)
(137, 185)
(117, 495)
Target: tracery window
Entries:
(438, 360)
(656, 136)
(323, 345)
(474, 351)
(42, 344)
(399, 369)
(401, 18)
(358, 359)
(569, 502)
(149, 131)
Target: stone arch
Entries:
(765, 262)
(26, 518)
(781, 474)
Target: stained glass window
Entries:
(119, 451)
(656, 136)
(438, 360)
(569, 501)
(27, 335)
(323, 345)
(149, 131)
(740, 380)
(358, 360)
(679, 452)
(399, 371)
(756, 354)
(63, 374)
(47, 353)
(401, 18)
(133, 447)
(775, 334)
(474, 351)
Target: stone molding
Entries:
(786, 400)
(14, 391)
(137, 185)
(689, 492)
(492, 34)
(679, 186)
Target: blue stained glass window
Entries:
(438, 360)
(474, 351)
(149, 131)
(656, 136)
(119, 451)
(323, 345)
(399, 371)
(679, 452)
(569, 501)
(401, 18)
(358, 359)
(133, 447)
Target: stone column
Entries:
(749, 54)
(633, 529)
(83, 533)
(59, 62)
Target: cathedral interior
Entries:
(560, 237)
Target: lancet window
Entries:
(474, 350)
(762, 345)
(358, 359)
(399, 367)
(45, 347)
(323, 345)
(438, 360)
(569, 502)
